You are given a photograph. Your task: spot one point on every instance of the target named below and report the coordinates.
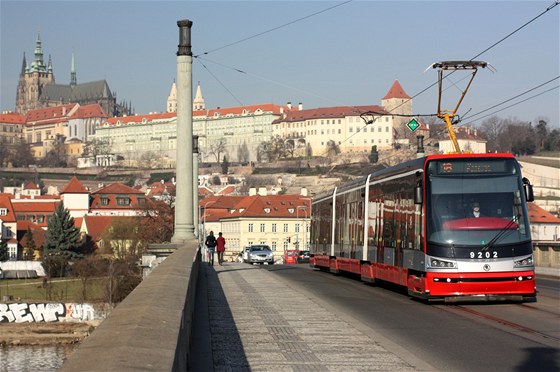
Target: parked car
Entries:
(260, 254)
(290, 256)
(303, 257)
(245, 254)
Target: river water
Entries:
(34, 358)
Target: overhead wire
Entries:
(275, 28)
(557, 2)
(512, 98)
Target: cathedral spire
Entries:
(23, 65)
(73, 79)
(38, 65)
(49, 68)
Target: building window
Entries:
(123, 200)
(250, 227)
(285, 227)
(104, 200)
(262, 227)
(273, 227)
(3, 211)
(297, 227)
(286, 246)
(12, 252)
(273, 247)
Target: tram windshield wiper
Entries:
(501, 233)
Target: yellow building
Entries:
(279, 221)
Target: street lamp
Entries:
(203, 235)
(297, 217)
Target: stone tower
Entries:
(172, 99)
(198, 103)
(32, 80)
(397, 102)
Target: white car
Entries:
(259, 254)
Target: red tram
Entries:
(414, 225)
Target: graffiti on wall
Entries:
(47, 312)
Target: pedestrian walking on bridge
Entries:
(220, 248)
(211, 245)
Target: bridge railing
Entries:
(151, 328)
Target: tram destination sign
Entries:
(472, 167)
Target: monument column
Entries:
(184, 208)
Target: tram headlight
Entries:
(524, 262)
(437, 263)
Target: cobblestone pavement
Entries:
(256, 328)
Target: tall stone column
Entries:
(184, 208)
(195, 188)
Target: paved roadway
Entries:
(249, 318)
(251, 326)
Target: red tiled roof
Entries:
(74, 186)
(396, 91)
(271, 206)
(7, 204)
(138, 119)
(96, 225)
(117, 188)
(30, 186)
(29, 206)
(240, 110)
(12, 118)
(327, 113)
(39, 234)
(229, 189)
(539, 215)
(49, 114)
(90, 111)
(33, 197)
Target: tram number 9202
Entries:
(486, 254)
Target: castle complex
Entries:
(37, 88)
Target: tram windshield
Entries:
(476, 202)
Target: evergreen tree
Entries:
(30, 246)
(3, 250)
(373, 155)
(61, 243)
(225, 165)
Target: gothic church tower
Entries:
(32, 80)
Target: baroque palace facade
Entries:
(230, 129)
(37, 88)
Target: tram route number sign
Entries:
(413, 125)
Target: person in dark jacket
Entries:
(210, 243)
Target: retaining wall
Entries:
(150, 329)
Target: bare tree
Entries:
(97, 146)
(243, 154)
(217, 148)
(492, 128)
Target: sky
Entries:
(318, 53)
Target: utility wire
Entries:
(275, 28)
(557, 2)
(490, 47)
(512, 98)
(517, 103)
